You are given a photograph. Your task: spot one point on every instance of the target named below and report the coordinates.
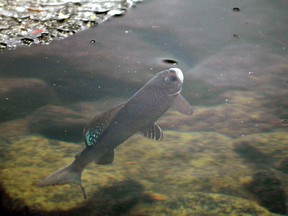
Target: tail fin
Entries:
(68, 175)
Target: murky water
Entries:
(229, 158)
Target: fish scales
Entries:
(111, 128)
(134, 116)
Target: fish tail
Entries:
(67, 175)
(64, 176)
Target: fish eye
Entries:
(171, 78)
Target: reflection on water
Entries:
(230, 157)
(40, 22)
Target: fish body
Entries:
(111, 128)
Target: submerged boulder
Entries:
(21, 96)
(57, 123)
(208, 204)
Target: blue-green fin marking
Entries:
(97, 126)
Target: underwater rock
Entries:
(267, 154)
(264, 150)
(181, 163)
(67, 123)
(118, 199)
(71, 83)
(231, 68)
(276, 93)
(58, 123)
(253, 155)
(209, 204)
(21, 96)
(283, 165)
(238, 116)
(269, 191)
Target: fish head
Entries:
(170, 81)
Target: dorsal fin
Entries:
(152, 131)
(97, 126)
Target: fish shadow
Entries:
(266, 186)
(117, 199)
(114, 200)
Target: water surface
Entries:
(229, 158)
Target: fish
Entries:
(111, 128)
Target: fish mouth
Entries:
(176, 93)
(179, 73)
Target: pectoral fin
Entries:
(153, 131)
(97, 126)
(182, 105)
(107, 158)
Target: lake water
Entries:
(229, 158)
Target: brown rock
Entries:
(58, 123)
(20, 96)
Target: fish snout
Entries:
(174, 76)
(178, 72)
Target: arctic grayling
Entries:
(137, 115)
